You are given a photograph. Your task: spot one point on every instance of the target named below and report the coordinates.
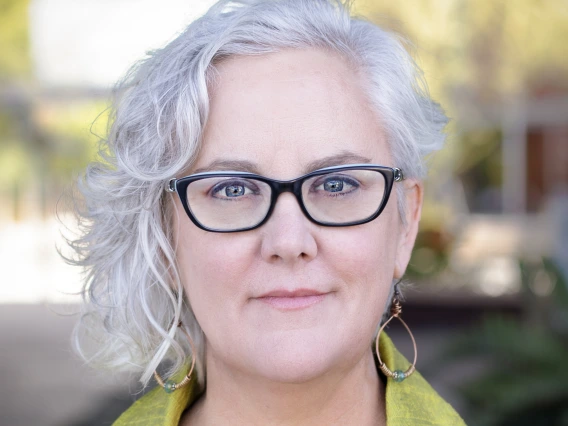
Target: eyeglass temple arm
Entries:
(171, 185)
(398, 175)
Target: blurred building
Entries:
(522, 212)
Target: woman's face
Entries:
(282, 115)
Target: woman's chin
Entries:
(300, 362)
(293, 371)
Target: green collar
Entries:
(410, 402)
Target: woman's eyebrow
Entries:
(229, 165)
(337, 160)
(247, 166)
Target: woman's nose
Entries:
(288, 236)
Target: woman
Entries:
(259, 199)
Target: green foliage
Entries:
(74, 131)
(526, 374)
(480, 168)
(14, 39)
(493, 47)
(430, 254)
(14, 163)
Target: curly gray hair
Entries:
(133, 293)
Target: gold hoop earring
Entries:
(397, 375)
(170, 386)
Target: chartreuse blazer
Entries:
(411, 402)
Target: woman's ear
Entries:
(413, 192)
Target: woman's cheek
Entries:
(218, 265)
(364, 250)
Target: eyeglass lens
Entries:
(335, 198)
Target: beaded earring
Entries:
(169, 385)
(395, 311)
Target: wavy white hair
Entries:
(133, 293)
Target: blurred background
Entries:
(488, 302)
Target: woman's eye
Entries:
(336, 185)
(232, 189)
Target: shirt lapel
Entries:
(413, 401)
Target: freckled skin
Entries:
(282, 111)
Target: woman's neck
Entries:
(350, 397)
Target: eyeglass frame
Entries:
(278, 187)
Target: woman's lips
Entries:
(292, 300)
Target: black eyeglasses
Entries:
(239, 201)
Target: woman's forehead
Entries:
(291, 107)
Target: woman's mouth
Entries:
(292, 300)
